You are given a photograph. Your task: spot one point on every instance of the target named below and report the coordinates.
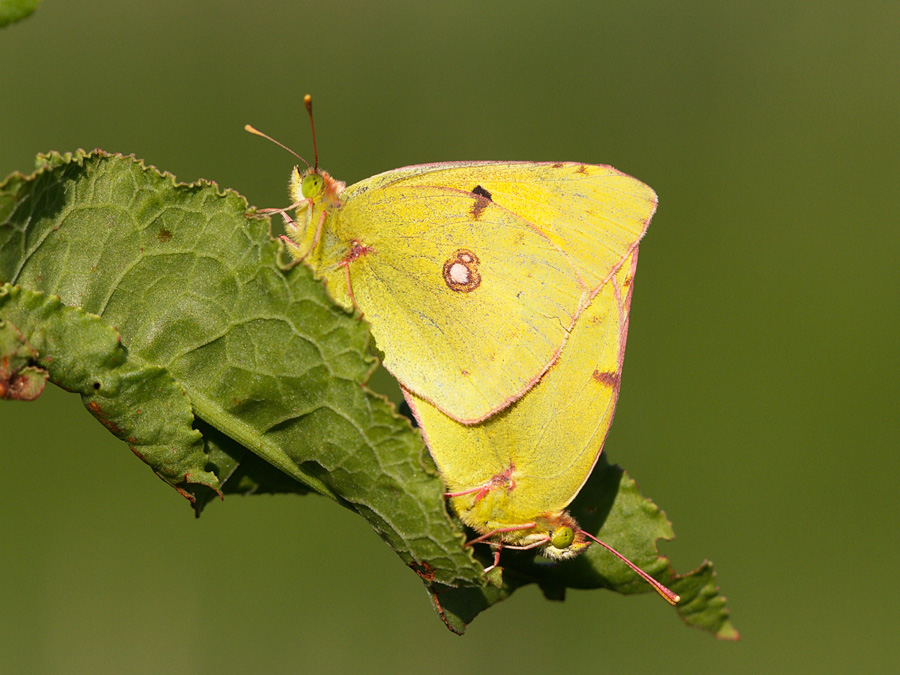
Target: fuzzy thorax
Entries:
(316, 196)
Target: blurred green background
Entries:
(760, 406)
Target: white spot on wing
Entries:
(459, 273)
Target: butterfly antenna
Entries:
(307, 101)
(670, 597)
(256, 131)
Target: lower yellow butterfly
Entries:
(511, 477)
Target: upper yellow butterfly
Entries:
(471, 274)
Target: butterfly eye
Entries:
(311, 185)
(562, 537)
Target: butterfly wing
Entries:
(472, 274)
(595, 213)
(469, 308)
(538, 453)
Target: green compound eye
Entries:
(311, 185)
(562, 537)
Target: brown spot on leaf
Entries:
(461, 271)
(423, 569)
(25, 385)
(164, 235)
(184, 493)
(97, 411)
(435, 593)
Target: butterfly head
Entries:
(315, 187)
(311, 184)
(565, 539)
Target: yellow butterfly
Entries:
(471, 274)
(511, 476)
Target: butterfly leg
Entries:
(315, 241)
(501, 480)
(346, 265)
(498, 546)
(267, 212)
(496, 562)
(357, 250)
(534, 544)
(501, 530)
(481, 491)
(295, 234)
(292, 247)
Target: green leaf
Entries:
(182, 297)
(166, 308)
(140, 403)
(19, 381)
(16, 10)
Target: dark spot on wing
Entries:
(482, 199)
(582, 169)
(607, 378)
(481, 192)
